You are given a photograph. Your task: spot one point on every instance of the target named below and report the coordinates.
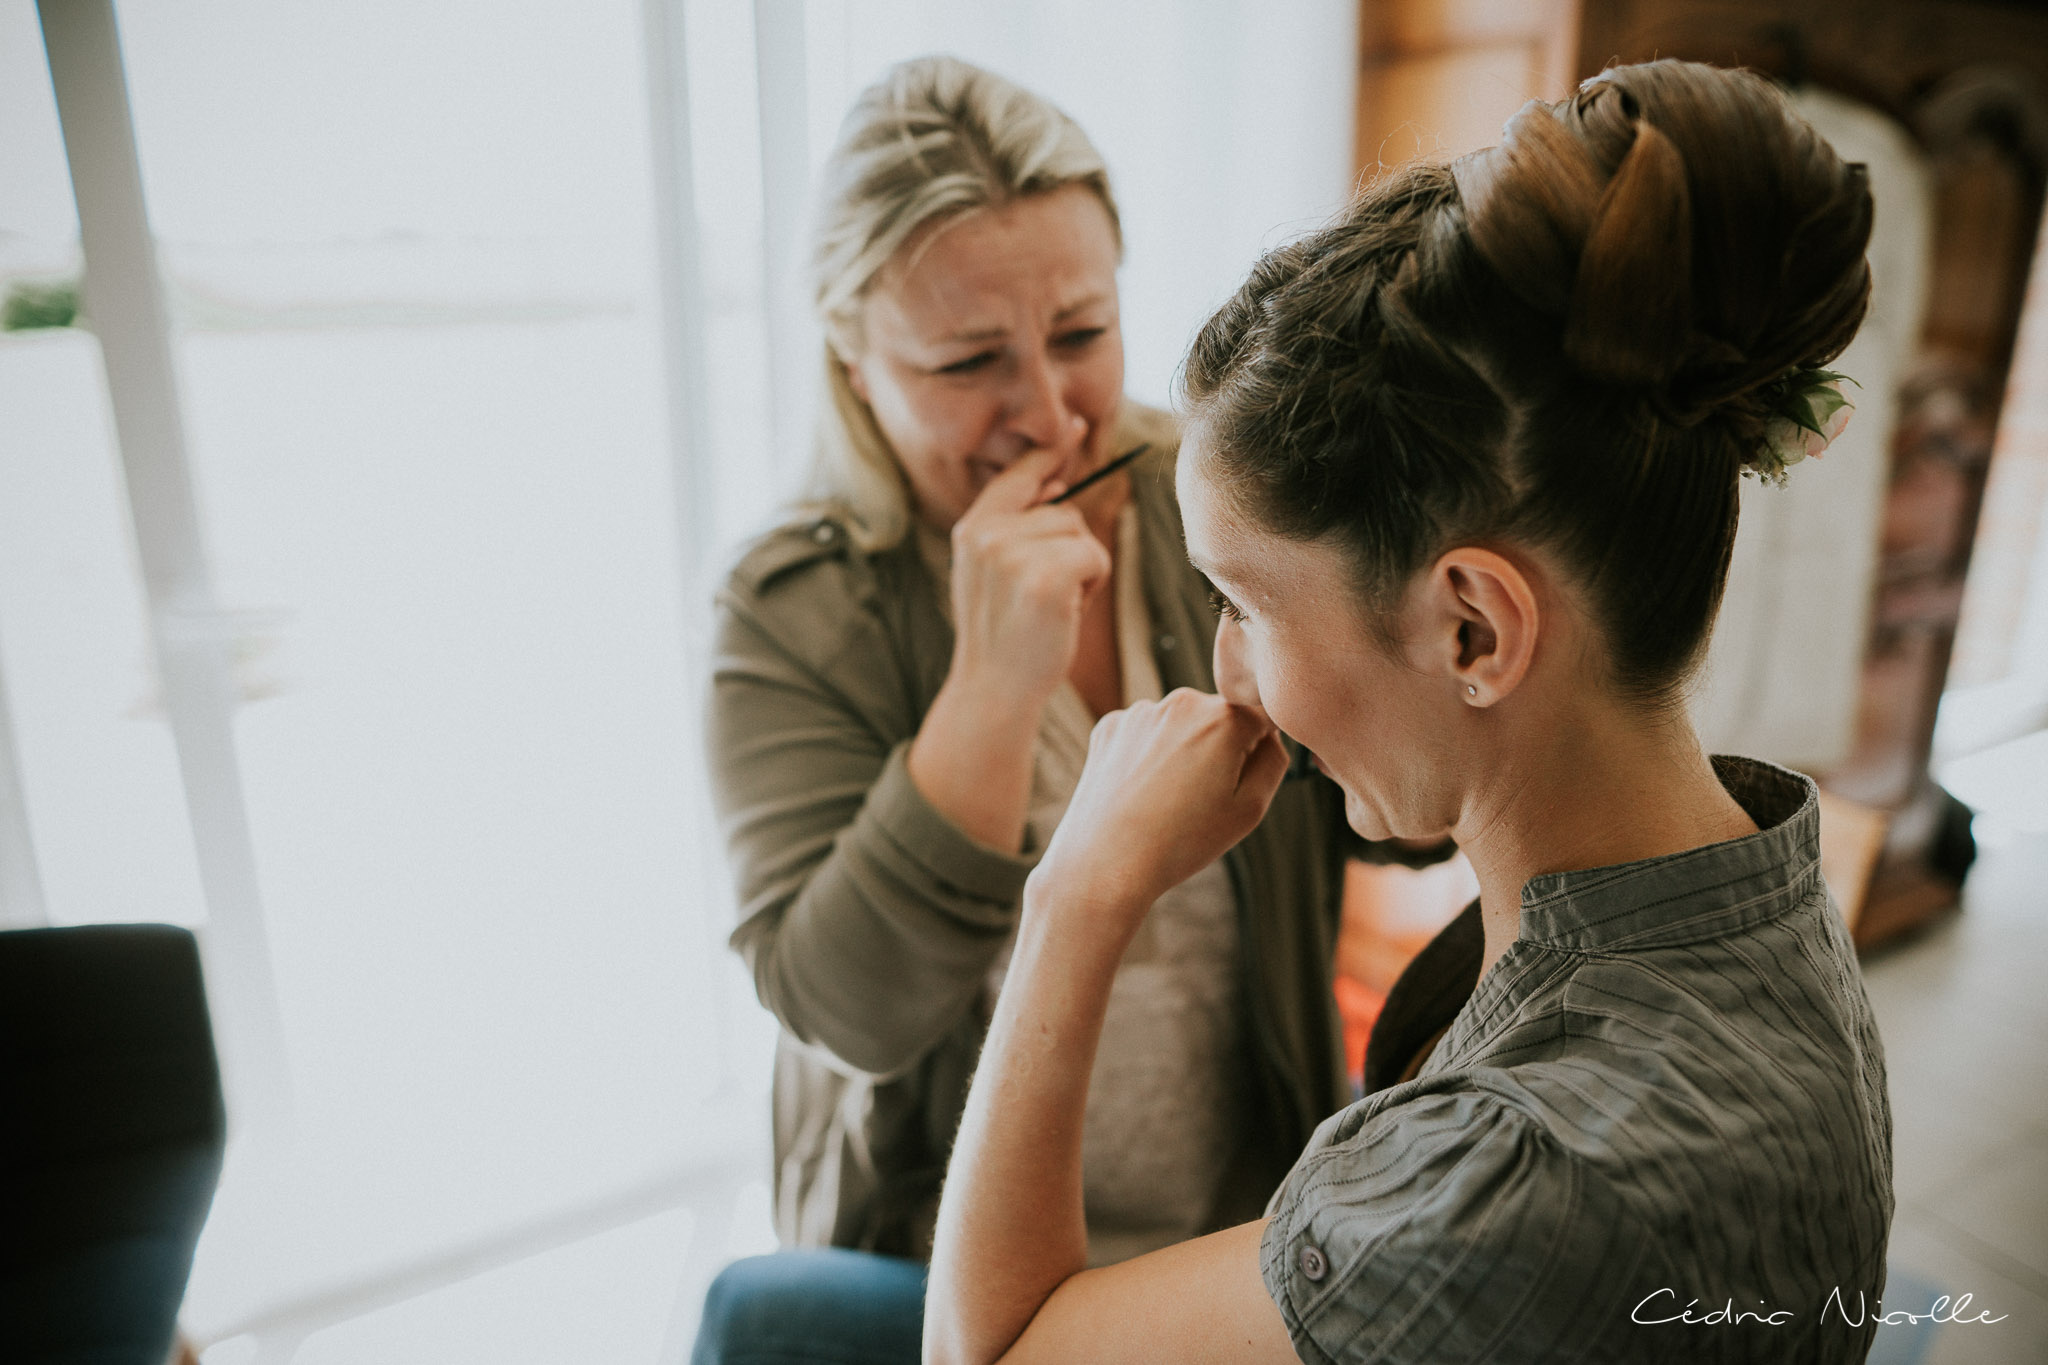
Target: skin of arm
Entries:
(972, 760)
(1169, 787)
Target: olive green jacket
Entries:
(870, 921)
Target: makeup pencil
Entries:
(1112, 467)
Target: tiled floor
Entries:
(1964, 1011)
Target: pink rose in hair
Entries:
(1817, 414)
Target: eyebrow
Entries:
(996, 333)
(1209, 578)
(1243, 579)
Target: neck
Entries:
(1594, 792)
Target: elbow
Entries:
(853, 1049)
(951, 1343)
(872, 1034)
(945, 1343)
(952, 1354)
(879, 1062)
(988, 1326)
(940, 1349)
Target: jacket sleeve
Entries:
(868, 918)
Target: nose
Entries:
(1038, 408)
(1234, 678)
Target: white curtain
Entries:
(1786, 664)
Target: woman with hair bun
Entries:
(1463, 470)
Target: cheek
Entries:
(932, 428)
(1098, 389)
(1347, 710)
(1302, 694)
(920, 418)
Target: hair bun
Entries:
(1529, 204)
(1630, 319)
(1688, 232)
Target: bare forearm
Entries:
(1011, 1226)
(972, 759)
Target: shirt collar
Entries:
(1702, 893)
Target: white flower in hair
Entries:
(1808, 411)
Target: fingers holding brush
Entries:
(1099, 475)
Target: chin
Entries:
(1364, 822)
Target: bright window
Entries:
(414, 265)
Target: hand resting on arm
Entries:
(1169, 786)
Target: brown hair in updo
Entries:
(1565, 341)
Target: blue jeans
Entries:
(830, 1307)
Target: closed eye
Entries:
(1223, 606)
(1080, 337)
(968, 366)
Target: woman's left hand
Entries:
(1169, 786)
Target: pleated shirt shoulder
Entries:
(1665, 1102)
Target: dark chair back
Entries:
(111, 1133)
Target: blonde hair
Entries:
(934, 138)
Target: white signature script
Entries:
(1944, 1309)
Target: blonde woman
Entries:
(906, 678)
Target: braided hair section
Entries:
(1568, 341)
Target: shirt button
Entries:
(1166, 644)
(1314, 1264)
(822, 533)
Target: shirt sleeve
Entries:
(1452, 1227)
(868, 918)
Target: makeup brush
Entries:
(1112, 467)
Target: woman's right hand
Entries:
(1023, 571)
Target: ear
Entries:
(1487, 623)
(855, 378)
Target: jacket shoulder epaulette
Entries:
(787, 548)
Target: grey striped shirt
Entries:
(1664, 1108)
